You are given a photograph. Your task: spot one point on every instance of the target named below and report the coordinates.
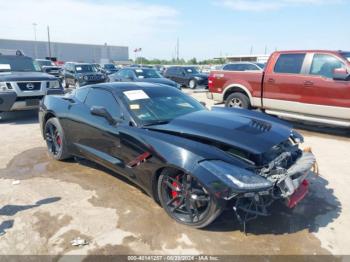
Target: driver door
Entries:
(324, 95)
(98, 140)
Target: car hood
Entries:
(251, 131)
(26, 76)
(163, 81)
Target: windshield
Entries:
(18, 63)
(159, 105)
(45, 62)
(147, 73)
(109, 67)
(85, 68)
(191, 70)
(346, 55)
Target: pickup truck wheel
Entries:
(192, 83)
(237, 100)
(55, 139)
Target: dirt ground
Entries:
(44, 204)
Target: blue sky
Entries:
(206, 28)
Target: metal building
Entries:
(245, 58)
(68, 51)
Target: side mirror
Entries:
(202, 103)
(183, 73)
(340, 74)
(102, 112)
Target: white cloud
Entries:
(117, 22)
(267, 5)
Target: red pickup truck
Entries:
(312, 85)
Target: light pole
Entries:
(35, 44)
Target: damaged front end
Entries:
(279, 174)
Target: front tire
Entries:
(192, 83)
(77, 85)
(56, 140)
(237, 100)
(64, 83)
(186, 200)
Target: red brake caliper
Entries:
(58, 140)
(174, 194)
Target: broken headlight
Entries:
(296, 137)
(238, 179)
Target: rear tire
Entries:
(193, 206)
(237, 100)
(56, 140)
(192, 83)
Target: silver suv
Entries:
(22, 84)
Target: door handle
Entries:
(308, 83)
(271, 81)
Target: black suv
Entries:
(49, 67)
(22, 84)
(80, 74)
(141, 74)
(109, 68)
(187, 76)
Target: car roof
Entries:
(243, 62)
(310, 51)
(119, 87)
(137, 68)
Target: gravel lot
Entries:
(44, 204)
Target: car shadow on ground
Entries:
(5, 225)
(319, 208)
(11, 210)
(19, 117)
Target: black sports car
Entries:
(191, 160)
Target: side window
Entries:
(100, 97)
(81, 93)
(121, 73)
(231, 67)
(289, 63)
(130, 74)
(324, 65)
(250, 67)
(170, 71)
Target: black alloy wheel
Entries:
(187, 201)
(55, 140)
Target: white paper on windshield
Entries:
(5, 67)
(134, 106)
(78, 68)
(141, 77)
(136, 95)
(139, 70)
